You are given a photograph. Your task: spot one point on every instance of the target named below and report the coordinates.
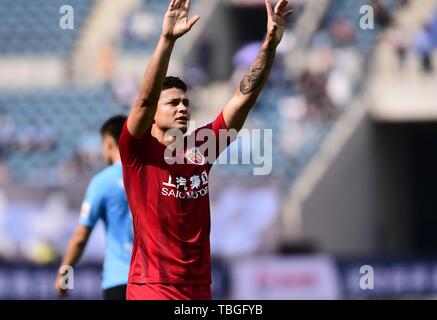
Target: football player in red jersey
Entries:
(170, 202)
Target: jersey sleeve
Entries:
(93, 205)
(220, 130)
(219, 124)
(133, 149)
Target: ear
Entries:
(112, 143)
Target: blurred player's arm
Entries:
(92, 209)
(236, 111)
(175, 25)
(75, 248)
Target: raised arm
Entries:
(236, 111)
(175, 25)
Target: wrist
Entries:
(169, 39)
(269, 44)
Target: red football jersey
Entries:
(170, 209)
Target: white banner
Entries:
(297, 277)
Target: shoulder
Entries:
(127, 135)
(209, 122)
(102, 180)
(214, 124)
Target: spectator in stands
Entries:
(398, 41)
(342, 32)
(424, 46)
(383, 16)
(313, 87)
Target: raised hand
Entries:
(176, 22)
(276, 21)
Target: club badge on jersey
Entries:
(194, 156)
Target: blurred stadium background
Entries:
(353, 113)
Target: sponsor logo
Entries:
(183, 188)
(194, 156)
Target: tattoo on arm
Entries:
(258, 71)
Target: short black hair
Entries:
(174, 82)
(113, 127)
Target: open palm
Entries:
(176, 22)
(276, 20)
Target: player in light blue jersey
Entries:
(105, 199)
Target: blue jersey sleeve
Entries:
(93, 205)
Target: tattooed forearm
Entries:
(258, 71)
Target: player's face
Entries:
(108, 147)
(173, 110)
